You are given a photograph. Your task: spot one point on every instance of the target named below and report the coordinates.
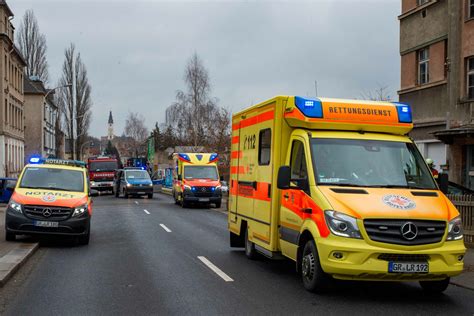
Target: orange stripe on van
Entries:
(236, 154)
(235, 140)
(266, 116)
(298, 201)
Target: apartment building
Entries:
(437, 80)
(12, 124)
(40, 118)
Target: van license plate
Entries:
(408, 267)
(204, 200)
(46, 224)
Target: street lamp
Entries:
(59, 87)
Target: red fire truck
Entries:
(102, 172)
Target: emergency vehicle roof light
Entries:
(404, 113)
(213, 157)
(309, 107)
(184, 157)
(35, 159)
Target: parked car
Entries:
(133, 181)
(457, 189)
(7, 186)
(224, 187)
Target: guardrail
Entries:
(465, 206)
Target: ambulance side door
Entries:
(292, 213)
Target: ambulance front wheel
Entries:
(435, 287)
(218, 204)
(250, 251)
(313, 276)
(10, 236)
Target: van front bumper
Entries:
(363, 261)
(18, 223)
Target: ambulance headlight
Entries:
(15, 206)
(186, 187)
(342, 225)
(455, 231)
(78, 211)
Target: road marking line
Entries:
(165, 228)
(146, 212)
(136, 202)
(218, 271)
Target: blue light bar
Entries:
(404, 113)
(309, 107)
(213, 157)
(35, 159)
(184, 157)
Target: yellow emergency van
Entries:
(52, 197)
(338, 187)
(196, 179)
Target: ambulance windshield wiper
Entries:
(401, 186)
(57, 189)
(344, 185)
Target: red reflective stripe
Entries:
(238, 170)
(235, 140)
(266, 116)
(298, 201)
(236, 154)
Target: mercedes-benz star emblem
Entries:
(409, 231)
(203, 189)
(47, 212)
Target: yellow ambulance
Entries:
(196, 179)
(338, 187)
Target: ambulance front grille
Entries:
(405, 231)
(42, 212)
(203, 191)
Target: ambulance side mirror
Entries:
(221, 178)
(443, 182)
(93, 193)
(180, 177)
(284, 178)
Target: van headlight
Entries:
(455, 231)
(78, 211)
(342, 225)
(13, 205)
(186, 187)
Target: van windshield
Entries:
(369, 163)
(53, 179)
(200, 172)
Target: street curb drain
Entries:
(12, 261)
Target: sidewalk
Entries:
(12, 254)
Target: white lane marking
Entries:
(218, 271)
(165, 228)
(136, 202)
(146, 212)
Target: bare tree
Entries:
(135, 129)
(192, 113)
(75, 103)
(379, 94)
(33, 47)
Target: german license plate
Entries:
(408, 267)
(203, 199)
(46, 224)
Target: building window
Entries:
(470, 78)
(470, 9)
(422, 2)
(423, 66)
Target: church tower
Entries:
(110, 129)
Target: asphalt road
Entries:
(144, 258)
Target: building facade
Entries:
(40, 118)
(437, 80)
(12, 123)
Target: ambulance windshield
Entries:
(369, 163)
(200, 172)
(53, 179)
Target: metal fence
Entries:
(465, 205)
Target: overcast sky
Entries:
(136, 51)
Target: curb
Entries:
(462, 285)
(12, 261)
